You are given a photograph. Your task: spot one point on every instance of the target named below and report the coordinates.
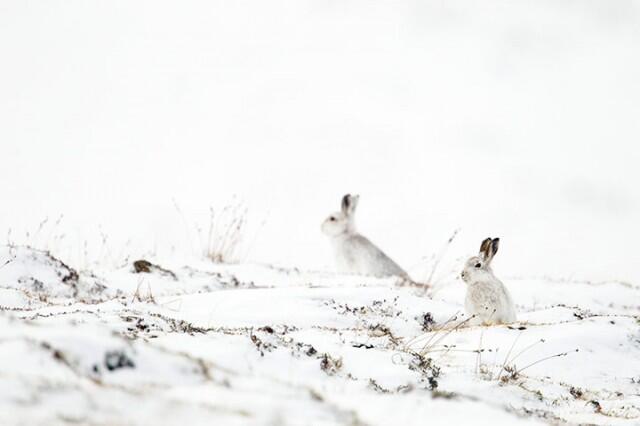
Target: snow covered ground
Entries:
(124, 124)
(251, 344)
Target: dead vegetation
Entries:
(371, 327)
(261, 345)
(425, 366)
(430, 266)
(142, 296)
(224, 237)
(427, 323)
(330, 365)
(143, 266)
(70, 284)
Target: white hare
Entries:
(354, 253)
(487, 298)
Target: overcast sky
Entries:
(515, 119)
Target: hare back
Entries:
(355, 254)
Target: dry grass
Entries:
(47, 236)
(140, 297)
(508, 371)
(224, 236)
(223, 242)
(56, 236)
(429, 267)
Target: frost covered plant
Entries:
(330, 365)
(427, 369)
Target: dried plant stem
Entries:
(542, 360)
(440, 255)
(506, 358)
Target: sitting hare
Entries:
(355, 254)
(487, 298)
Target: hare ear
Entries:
(346, 201)
(484, 249)
(349, 204)
(495, 243)
(491, 249)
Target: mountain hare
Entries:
(355, 254)
(487, 298)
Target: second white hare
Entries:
(487, 298)
(354, 253)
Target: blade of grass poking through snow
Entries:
(438, 259)
(432, 334)
(36, 234)
(441, 254)
(537, 342)
(542, 360)
(184, 223)
(479, 354)
(226, 233)
(430, 347)
(448, 349)
(252, 244)
(427, 347)
(506, 358)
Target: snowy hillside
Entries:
(249, 344)
(166, 168)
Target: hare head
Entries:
(342, 222)
(477, 268)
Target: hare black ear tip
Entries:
(346, 201)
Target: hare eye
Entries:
(332, 219)
(478, 265)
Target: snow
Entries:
(291, 347)
(125, 124)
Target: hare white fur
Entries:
(354, 253)
(487, 298)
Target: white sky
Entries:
(502, 118)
